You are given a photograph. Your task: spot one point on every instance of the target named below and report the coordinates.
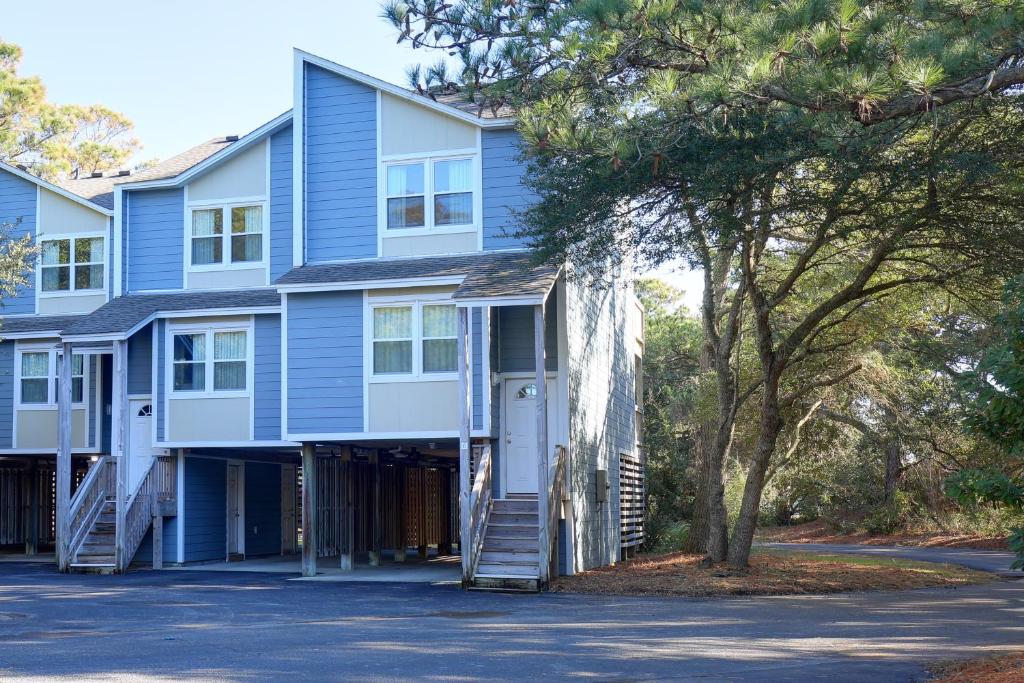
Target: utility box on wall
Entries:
(602, 485)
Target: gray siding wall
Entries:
(205, 509)
(7, 379)
(476, 343)
(140, 361)
(267, 374)
(515, 337)
(601, 413)
(504, 192)
(160, 380)
(93, 375)
(325, 362)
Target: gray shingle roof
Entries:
(487, 274)
(461, 102)
(125, 312)
(37, 323)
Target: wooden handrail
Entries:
(479, 509)
(92, 493)
(159, 484)
(555, 496)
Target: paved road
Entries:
(161, 626)
(993, 561)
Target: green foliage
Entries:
(51, 140)
(889, 517)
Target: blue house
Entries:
(323, 330)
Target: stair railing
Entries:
(555, 496)
(479, 509)
(158, 487)
(99, 484)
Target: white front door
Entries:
(140, 442)
(520, 448)
(234, 521)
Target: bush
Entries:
(888, 518)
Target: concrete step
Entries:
(505, 584)
(90, 568)
(505, 505)
(510, 558)
(514, 571)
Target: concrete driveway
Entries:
(161, 626)
(997, 562)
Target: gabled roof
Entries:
(57, 189)
(451, 104)
(484, 275)
(121, 316)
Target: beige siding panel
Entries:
(38, 429)
(228, 278)
(243, 176)
(410, 129)
(59, 215)
(70, 305)
(208, 419)
(411, 292)
(414, 406)
(430, 245)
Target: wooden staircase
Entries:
(98, 554)
(510, 557)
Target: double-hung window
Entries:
(414, 339)
(226, 235)
(430, 193)
(39, 377)
(210, 361)
(72, 264)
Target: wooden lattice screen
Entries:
(631, 503)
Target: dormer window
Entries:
(430, 193)
(213, 245)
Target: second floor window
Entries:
(196, 369)
(241, 242)
(430, 193)
(72, 264)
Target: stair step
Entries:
(505, 558)
(517, 531)
(510, 545)
(515, 519)
(504, 505)
(488, 570)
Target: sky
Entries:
(188, 71)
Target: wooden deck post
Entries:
(542, 444)
(63, 477)
(465, 542)
(158, 537)
(346, 559)
(403, 509)
(377, 536)
(119, 432)
(309, 509)
(32, 520)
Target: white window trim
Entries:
(51, 393)
(208, 330)
(416, 303)
(428, 161)
(50, 237)
(225, 206)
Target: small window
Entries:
(406, 198)
(527, 392)
(440, 353)
(145, 411)
(246, 234)
(72, 264)
(189, 362)
(35, 378)
(207, 241)
(229, 353)
(392, 340)
(453, 192)
(77, 378)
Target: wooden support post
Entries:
(158, 540)
(119, 429)
(347, 511)
(32, 521)
(403, 540)
(540, 358)
(377, 539)
(63, 482)
(449, 526)
(465, 411)
(309, 509)
(421, 549)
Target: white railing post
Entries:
(465, 532)
(63, 474)
(540, 358)
(118, 426)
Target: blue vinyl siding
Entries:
(262, 508)
(161, 417)
(205, 509)
(144, 555)
(93, 374)
(325, 362)
(267, 374)
(110, 258)
(18, 207)
(504, 192)
(476, 343)
(140, 362)
(515, 333)
(280, 203)
(156, 236)
(7, 379)
(341, 167)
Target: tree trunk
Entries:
(718, 532)
(893, 464)
(746, 523)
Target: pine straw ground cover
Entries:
(818, 532)
(997, 669)
(770, 573)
